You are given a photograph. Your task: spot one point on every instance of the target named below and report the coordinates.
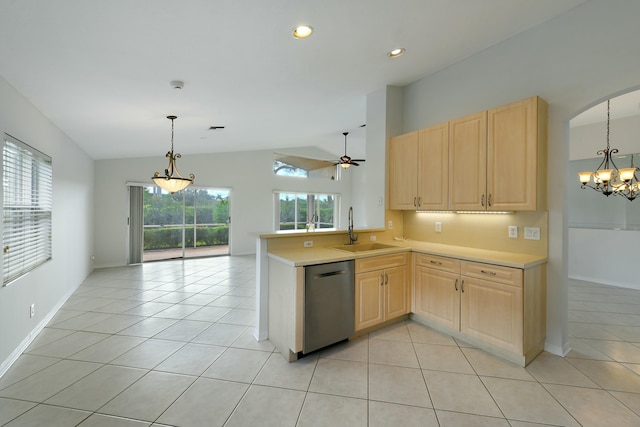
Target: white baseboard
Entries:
(604, 282)
(561, 351)
(6, 364)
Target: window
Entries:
(303, 167)
(295, 210)
(27, 205)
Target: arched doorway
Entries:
(604, 293)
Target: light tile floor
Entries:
(171, 344)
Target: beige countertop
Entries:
(320, 255)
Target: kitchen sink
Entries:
(363, 247)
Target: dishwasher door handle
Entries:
(329, 274)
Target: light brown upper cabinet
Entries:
(468, 162)
(516, 156)
(498, 158)
(403, 171)
(418, 169)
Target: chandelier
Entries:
(172, 181)
(608, 179)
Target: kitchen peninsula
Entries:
(492, 299)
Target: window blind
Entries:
(27, 205)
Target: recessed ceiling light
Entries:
(396, 52)
(302, 31)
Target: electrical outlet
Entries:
(372, 238)
(532, 233)
(32, 310)
(513, 231)
(380, 201)
(390, 224)
(438, 227)
(308, 243)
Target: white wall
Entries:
(49, 285)
(604, 256)
(588, 139)
(573, 61)
(249, 175)
(384, 120)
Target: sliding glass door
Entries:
(191, 223)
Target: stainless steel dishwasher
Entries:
(329, 304)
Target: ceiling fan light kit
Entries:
(172, 180)
(346, 161)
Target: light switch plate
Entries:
(513, 231)
(438, 227)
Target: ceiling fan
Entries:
(346, 161)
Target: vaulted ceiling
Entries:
(101, 70)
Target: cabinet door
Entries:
(433, 167)
(492, 312)
(512, 156)
(468, 162)
(396, 292)
(369, 299)
(437, 296)
(403, 171)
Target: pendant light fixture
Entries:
(172, 180)
(608, 179)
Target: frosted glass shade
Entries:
(585, 177)
(172, 185)
(604, 175)
(626, 174)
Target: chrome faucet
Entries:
(352, 237)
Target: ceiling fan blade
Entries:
(354, 163)
(358, 160)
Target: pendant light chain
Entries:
(608, 119)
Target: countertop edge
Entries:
(320, 231)
(305, 257)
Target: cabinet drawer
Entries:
(438, 262)
(493, 273)
(381, 262)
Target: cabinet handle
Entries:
(415, 202)
(435, 262)
(489, 200)
(462, 286)
(419, 201)
(482, 200)
(491, 273)
(386, 279)
(455, 285)
(381, 279)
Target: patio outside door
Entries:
(191, 223)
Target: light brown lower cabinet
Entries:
(382, 289)
(501, 309)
